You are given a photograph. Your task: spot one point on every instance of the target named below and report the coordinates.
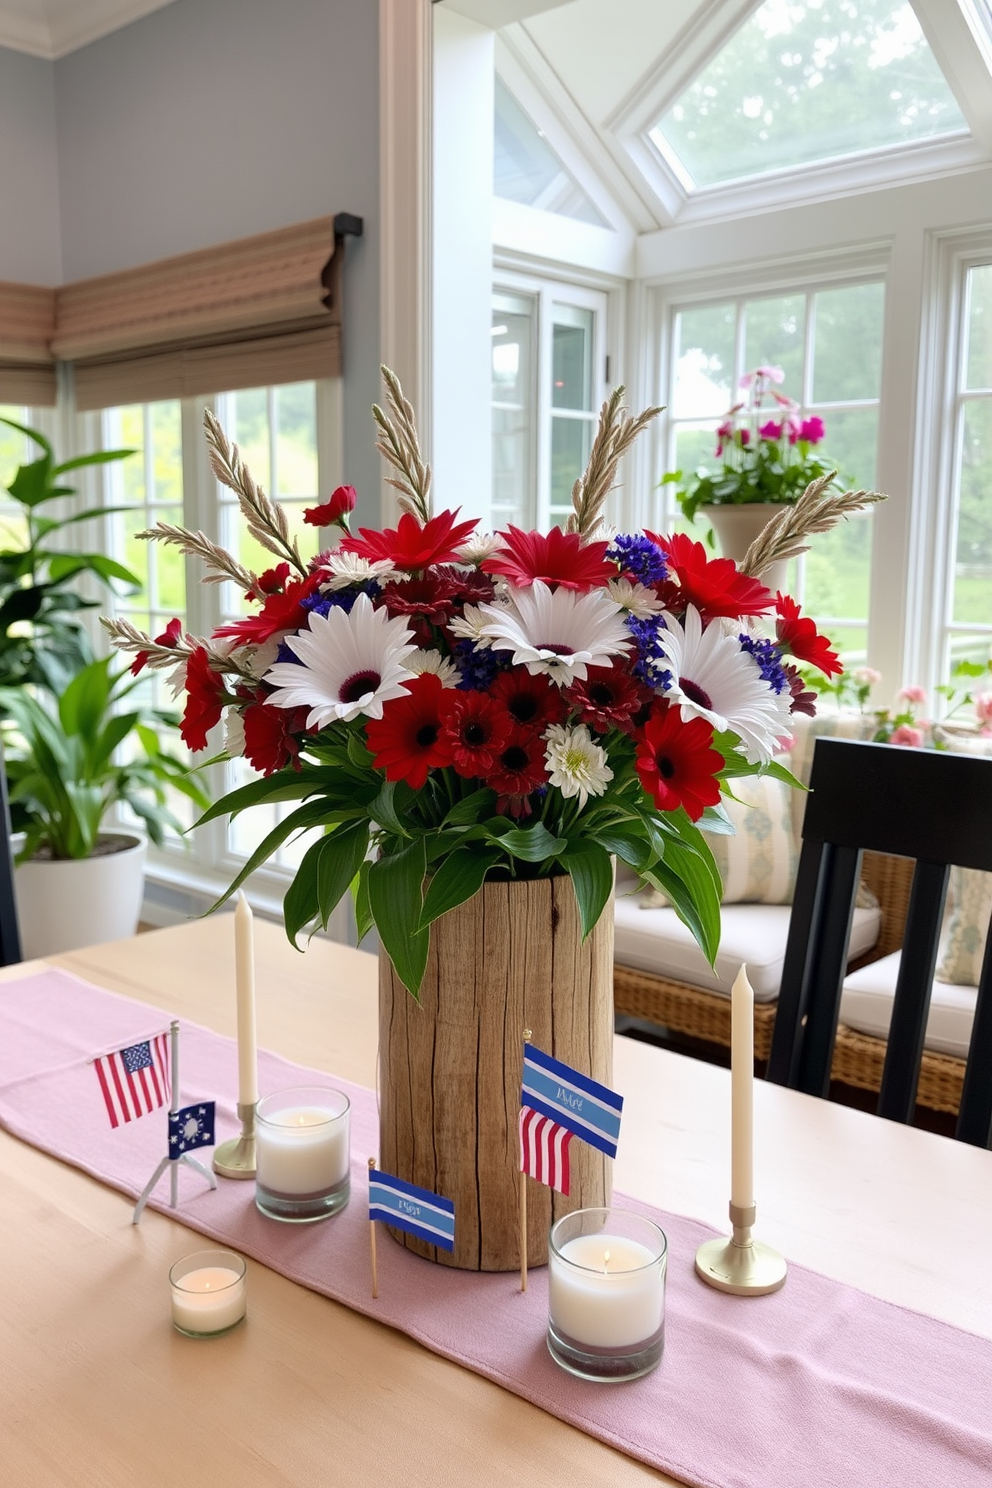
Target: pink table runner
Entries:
(819, 1386)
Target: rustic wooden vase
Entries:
(450, 1067)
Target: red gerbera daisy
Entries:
(558, 558)
(279, 612)
(713, 585)
(676, 762)
(518, 770)
(477, 730)
(410, 545)
(532, 702)
(205, 698)
(609, 698)
(269, 736)
(798, 634)
(407, 740)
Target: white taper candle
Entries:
(742, 1091)
(244, 960)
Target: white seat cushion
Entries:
(866, 1004)
(656, 940)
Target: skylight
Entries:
(527, 170)
(806, 82)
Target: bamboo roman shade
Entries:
(27, 325)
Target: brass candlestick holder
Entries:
(741, 1265)
(236, 1158)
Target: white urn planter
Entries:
(63, 904)
(736, 528)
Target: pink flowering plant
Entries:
(765, 446)
(450, 707)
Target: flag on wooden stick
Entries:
(135, 1081)
(557, 1103)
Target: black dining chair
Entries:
(929, 805)
(10, 939)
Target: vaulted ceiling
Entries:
(51, 28)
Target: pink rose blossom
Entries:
(911, 695)
(866, 676)
(906, 734)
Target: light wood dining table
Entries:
(98, 1391)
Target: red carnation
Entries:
(335, 509)
(609, 698)
(467, 585)
(532, 702)
(676, 762)
(557, 558)
(272, 581)
(407, 740)
(796, 633)
(279, 612)
(269, 736)
(425, 602)
(171, 636)
(205, 699)
(713, 585)
(518, 770)
(410, 545)
(803, 701)
(476, 728)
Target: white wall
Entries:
(30, 246)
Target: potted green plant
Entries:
(41, 638)
(67, 766)
(767, 461)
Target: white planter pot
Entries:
(79, 902)
(736, 528)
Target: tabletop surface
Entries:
(97, 1389)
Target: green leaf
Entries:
(300, 907)
(592, 879)
(471, 809)
(716, 821)
(66, 565)
(532, 844)
(39, 439)
(98, 457)
(689, 885)
(396, 901)
(270, 788)
(459, 876)
(338, 865)
(311, 815)
(629, 845)
(360, 892)
(388, 805)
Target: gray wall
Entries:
(30, 246)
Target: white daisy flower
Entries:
(234, 733)
(349, 664)
(347, 569)
(713, 678)
(481, 545)
(635, 598)
(557, 632)
(433, 661)
(468, 626)
(576, 763)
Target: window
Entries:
(548, 378)
(527, 170)
(968, 624)
(828, 343)
(15, 449)
(807, 82)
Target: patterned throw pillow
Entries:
(970, 893)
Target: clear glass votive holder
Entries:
(302, 1153)
(209, 1293)
(606, 1294)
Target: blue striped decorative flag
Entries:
(582, 1106)
(416, 1210)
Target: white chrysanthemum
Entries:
(349, 664)
(576, 763)
(234, 733)
(635, 598)
(713, 678)
(347, 569)
(481, 545)
(440, 666)
(557, 632)
(468, 626)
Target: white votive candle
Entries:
(606, 1293)
(302, 1153)
(209, 1292)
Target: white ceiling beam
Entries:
(498, 13)
(962, 59)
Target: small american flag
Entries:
(135, 1080)
(544, 1150)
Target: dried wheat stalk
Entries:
(128, 638)
(266, 521)
(399, 446)
(199, 545)
(615, 433)
(817, 510)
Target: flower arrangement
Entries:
(449, 707)
(903, 722)
(766, 451)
